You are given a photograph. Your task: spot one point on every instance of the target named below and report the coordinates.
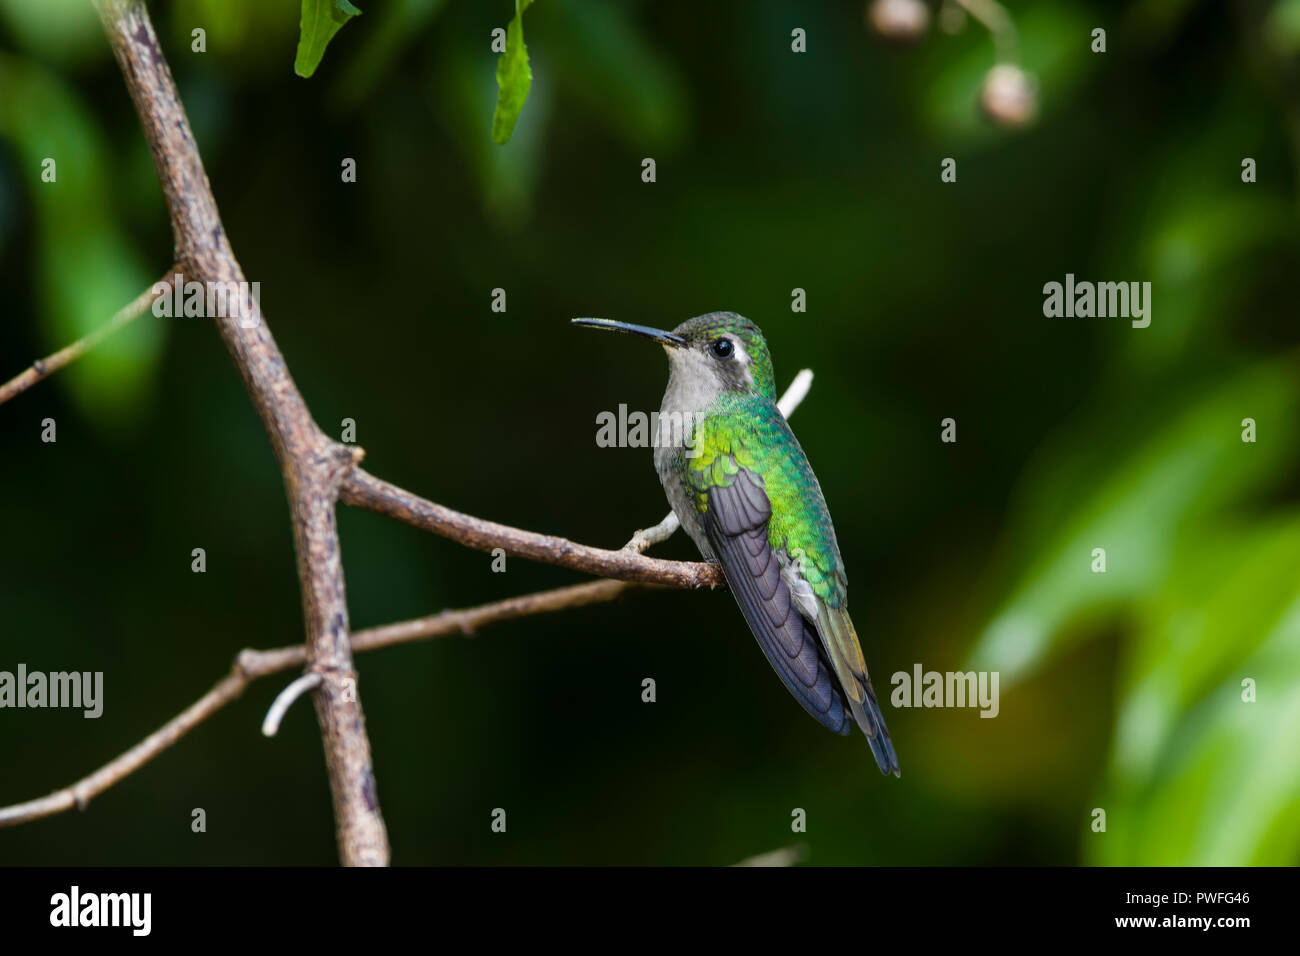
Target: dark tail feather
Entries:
(840, 643)
(872, 722)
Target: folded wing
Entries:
(735, 521)
(820, 662)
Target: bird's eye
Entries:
(723, 348)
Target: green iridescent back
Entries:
(748, 431)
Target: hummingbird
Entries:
(741, 486)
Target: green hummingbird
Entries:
(742, 488)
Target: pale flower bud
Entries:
(903, 21)
(1008, 96)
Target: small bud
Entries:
(1008, 97)
(903, 21)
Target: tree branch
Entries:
(363, 490)
(42, 368)
(312, 464)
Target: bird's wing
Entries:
(735, 521)
(820, 662)
(744, 458)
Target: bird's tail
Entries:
(872, 722)
(841, 642)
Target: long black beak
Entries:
(655, 335)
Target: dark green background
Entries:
(775, 170)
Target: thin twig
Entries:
(284, 700)
(81, 792)
(647, 538)
(994, 17)
(251, 665)
(796, 393)
(467, 621)
(786, 856)
(47, 366)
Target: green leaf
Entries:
(321, 19)
(514, 77)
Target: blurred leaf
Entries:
(1193, 252)
(60, 29)
(605, 63)
(1152, 22)
(394, 27)
(251, 32)
(1200, 776)
(514, 77)
(226, 23)
(1196, 241)
(321, 19)
(1283, 27)
(88, 269)
(1136, 512)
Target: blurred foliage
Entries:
(78, 234)
(1125, 691)
(64, 30)
(1283, 30)
(398, 25)
(604, 61)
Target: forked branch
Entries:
(317, 471)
